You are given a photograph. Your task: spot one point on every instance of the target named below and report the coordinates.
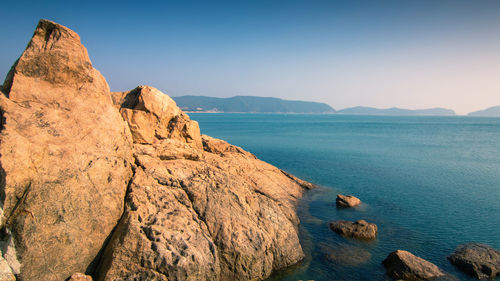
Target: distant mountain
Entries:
(250, 104)
(489, 112)
(362, 110)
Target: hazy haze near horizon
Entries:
(414, 55)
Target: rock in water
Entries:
(65, 157)
(404, 265)
(347, 201)
(209, 212)
(360, 229)
(478, 260)
(345, 255)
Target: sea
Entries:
(429, 183)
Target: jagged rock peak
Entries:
(153, 116)
(56, 56)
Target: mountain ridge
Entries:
(249, 104)
(395, 111)
(493, 111)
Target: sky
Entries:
(407, 54)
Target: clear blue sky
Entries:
(412, 54)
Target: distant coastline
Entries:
(269, 105)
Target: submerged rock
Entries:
(65, 155)
(360, 229)
(478, 260)
(347, 201)
(345, 255)
(404, 265)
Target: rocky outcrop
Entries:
(216, 213)
(478, 260)
(65, 157)
(406, 266)
(360, 229)
(124, 186)
(347, 201)
(153, 116)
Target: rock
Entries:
(5, 271)
(347, 201)
(345, 255)
(65, 156)
(209, 212)
(359, 229)
(478, 260)
(123, 186)
(80, 277)
(404, 265)
(153, 116)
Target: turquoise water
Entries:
(429, 183)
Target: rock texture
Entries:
(360, 229)
(478, 260)
(80, 277)
(65, 157)
(5, 271)
(347, 201)
(123, 186)
(209, 212)
(404, 265)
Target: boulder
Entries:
(406, 266)
(200, 212)
(65, 158)
(478, 260)
(153, 116)
(347, 201)
(360, 229)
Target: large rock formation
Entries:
(65, 157)
(216, 213)
(360, 229)
(406, 266)
(73, 155)
(478, 260)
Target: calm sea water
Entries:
(429, 183)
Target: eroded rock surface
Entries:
(65, 157)
(406, 266)
(347, 201)
(478, 260)
(360, 229)
(216, 213)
